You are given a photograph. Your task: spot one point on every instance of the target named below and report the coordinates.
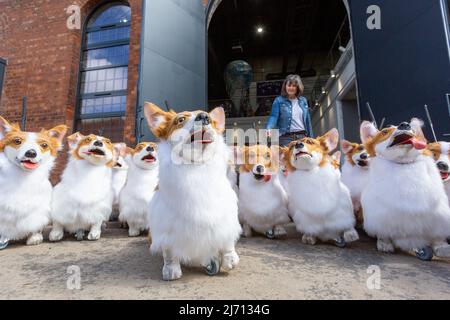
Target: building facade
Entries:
(47, 54)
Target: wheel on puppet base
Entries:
(4, 242)
(213, 267)
(425, 254)
(79, 235)
(270, 234)
(340, 242)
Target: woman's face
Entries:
(291, 89)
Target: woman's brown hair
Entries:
(295, 79)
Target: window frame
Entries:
(78, 116)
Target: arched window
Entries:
(101, 100)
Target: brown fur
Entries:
(13, 139)
(120, 150)
(87, 140)
(336, 160)
(287, 156)
(52, 138)
(385, 134)
(48, 140)
(359, 216)
(381, 136)
(258, 154)
(434, 150)
(351, 150)
(130, 151)
(143, 145)
(318, 145)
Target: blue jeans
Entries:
(289, 137)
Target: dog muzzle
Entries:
(29, 164)
(408, 139)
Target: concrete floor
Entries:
(118, 267)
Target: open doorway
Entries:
(254, 44)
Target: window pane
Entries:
(96, 37)
(106, 57)
(110, 14)
(104, 80)
(101, 105)
(114, 17)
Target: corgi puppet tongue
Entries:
(29, 165)
(416, 143)
(405, 139)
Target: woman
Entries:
(290, 113)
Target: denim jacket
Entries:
(281, 115)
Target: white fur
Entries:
(233, 178)
(82, 200)
(355, 179)
(194, 215)
(405, 203)
(447, 189)
(262, 205)
(283, 181)
(324, 209)
(119, 178)
(136, 195)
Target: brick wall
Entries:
(43, 61)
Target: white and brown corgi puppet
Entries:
(193, 217)
(355, 173)
(322, 209)
(82, 201)
(119, 172)
(440, 151)
(26, 159)
(404, 202)
(262, 199)
(141, 183)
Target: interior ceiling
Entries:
(291, 28)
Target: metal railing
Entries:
(338, 56)
(339, 44)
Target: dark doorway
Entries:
(268, 40)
